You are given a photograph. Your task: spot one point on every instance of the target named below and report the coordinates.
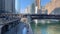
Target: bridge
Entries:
(42, 16)
(12, 20)
(33, 16)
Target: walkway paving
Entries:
(30, 30)
(19, 29)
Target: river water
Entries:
(52, 28)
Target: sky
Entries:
(22, 4)
(44, 2)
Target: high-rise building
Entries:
(56, 11)
(44, 10)
(30, 9)
(52, 5)
(7, 6)
(33, 8)
(27, 10)
(38, 3)
(37, 6)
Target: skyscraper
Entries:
(38, 3)
(7, 6)
(30, 9)
(33, 8)
(52, 5)
(27, 10)
(37, 6)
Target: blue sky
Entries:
(22, 4)
(25, 3)
(44, 2)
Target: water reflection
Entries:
(53, 28)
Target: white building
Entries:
(27, 10)
(30, 9)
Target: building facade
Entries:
(56, 11)
(27, 10)
(30, 9)
(7, 5)
(33, 8)
(38, 7)
(38, 3)
(52, 5)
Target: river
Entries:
(53, 28)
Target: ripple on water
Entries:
(46, 29)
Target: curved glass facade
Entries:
(17, 6)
